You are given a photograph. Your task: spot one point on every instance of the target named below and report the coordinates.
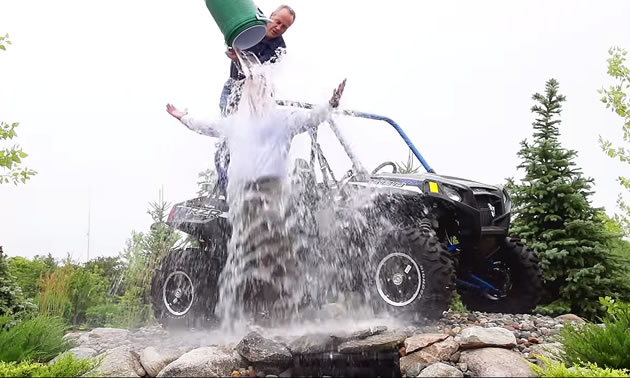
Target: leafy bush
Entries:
(87, 288)
(134, 312)
(12, 300)
(607, 345)
(554, 369)
(102, 315)
(66, 366)
(36, 339)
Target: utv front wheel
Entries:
(184, 289)
(515, 272)
(414, 276)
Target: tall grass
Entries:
(37, 339)
(55, 296)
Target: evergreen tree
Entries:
(555, 217)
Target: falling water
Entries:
(293, 247)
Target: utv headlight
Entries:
(451, 193)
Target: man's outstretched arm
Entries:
(204, 127)
(301, 122)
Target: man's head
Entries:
(281, 20)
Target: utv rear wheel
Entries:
(414, 276)
(517, 274)
(184, 289)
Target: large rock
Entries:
(496, 362)
(118, 362)
(422, 340)
(440, 351)
(441, 370)
(570, 318)
(478, 337)
(79, 353)
(154, 361)
(204, 362)
(256, 348)
(384, 341)
(313, 344)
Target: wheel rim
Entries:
(178, 293)
(399, 280)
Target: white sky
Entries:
(88, 81)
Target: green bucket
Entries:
(239, 21)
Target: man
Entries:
(267, 50)
(262, 271)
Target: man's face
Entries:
(280, 22)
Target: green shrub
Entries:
(553, 369)
(66, 366)
(37, 339)
(12, 300)
(607, 346)
(457, 305)
(103, 315)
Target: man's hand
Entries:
(231, 54)
(174, 111)
(334, 101)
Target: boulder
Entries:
(118, 362)
(422, 340)
(312, 344)
(79, 353)
(566, 318)
(496, 362)
(204, 362)
(441, 370)
(440, 351)
(478, 337)
(379, 342)
(256, 348)
(154, 361)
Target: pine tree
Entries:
(555, 217)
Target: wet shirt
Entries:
(259, 146)
(265, 50)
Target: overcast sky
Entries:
(88, 81)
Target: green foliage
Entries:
(134, 309)
(36, 339)
(110, 267)
(103, 315)
(554, 369)
(616, 99)
(55, 295)
(66, 366)
(555, 217)
(408, 167)
(554, 308)
(28, 273)
(457, 305)
(607, 345)
(87, 288)
(12, 300)
(11, 157)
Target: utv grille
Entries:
(489, 204)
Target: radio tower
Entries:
(88, 227)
